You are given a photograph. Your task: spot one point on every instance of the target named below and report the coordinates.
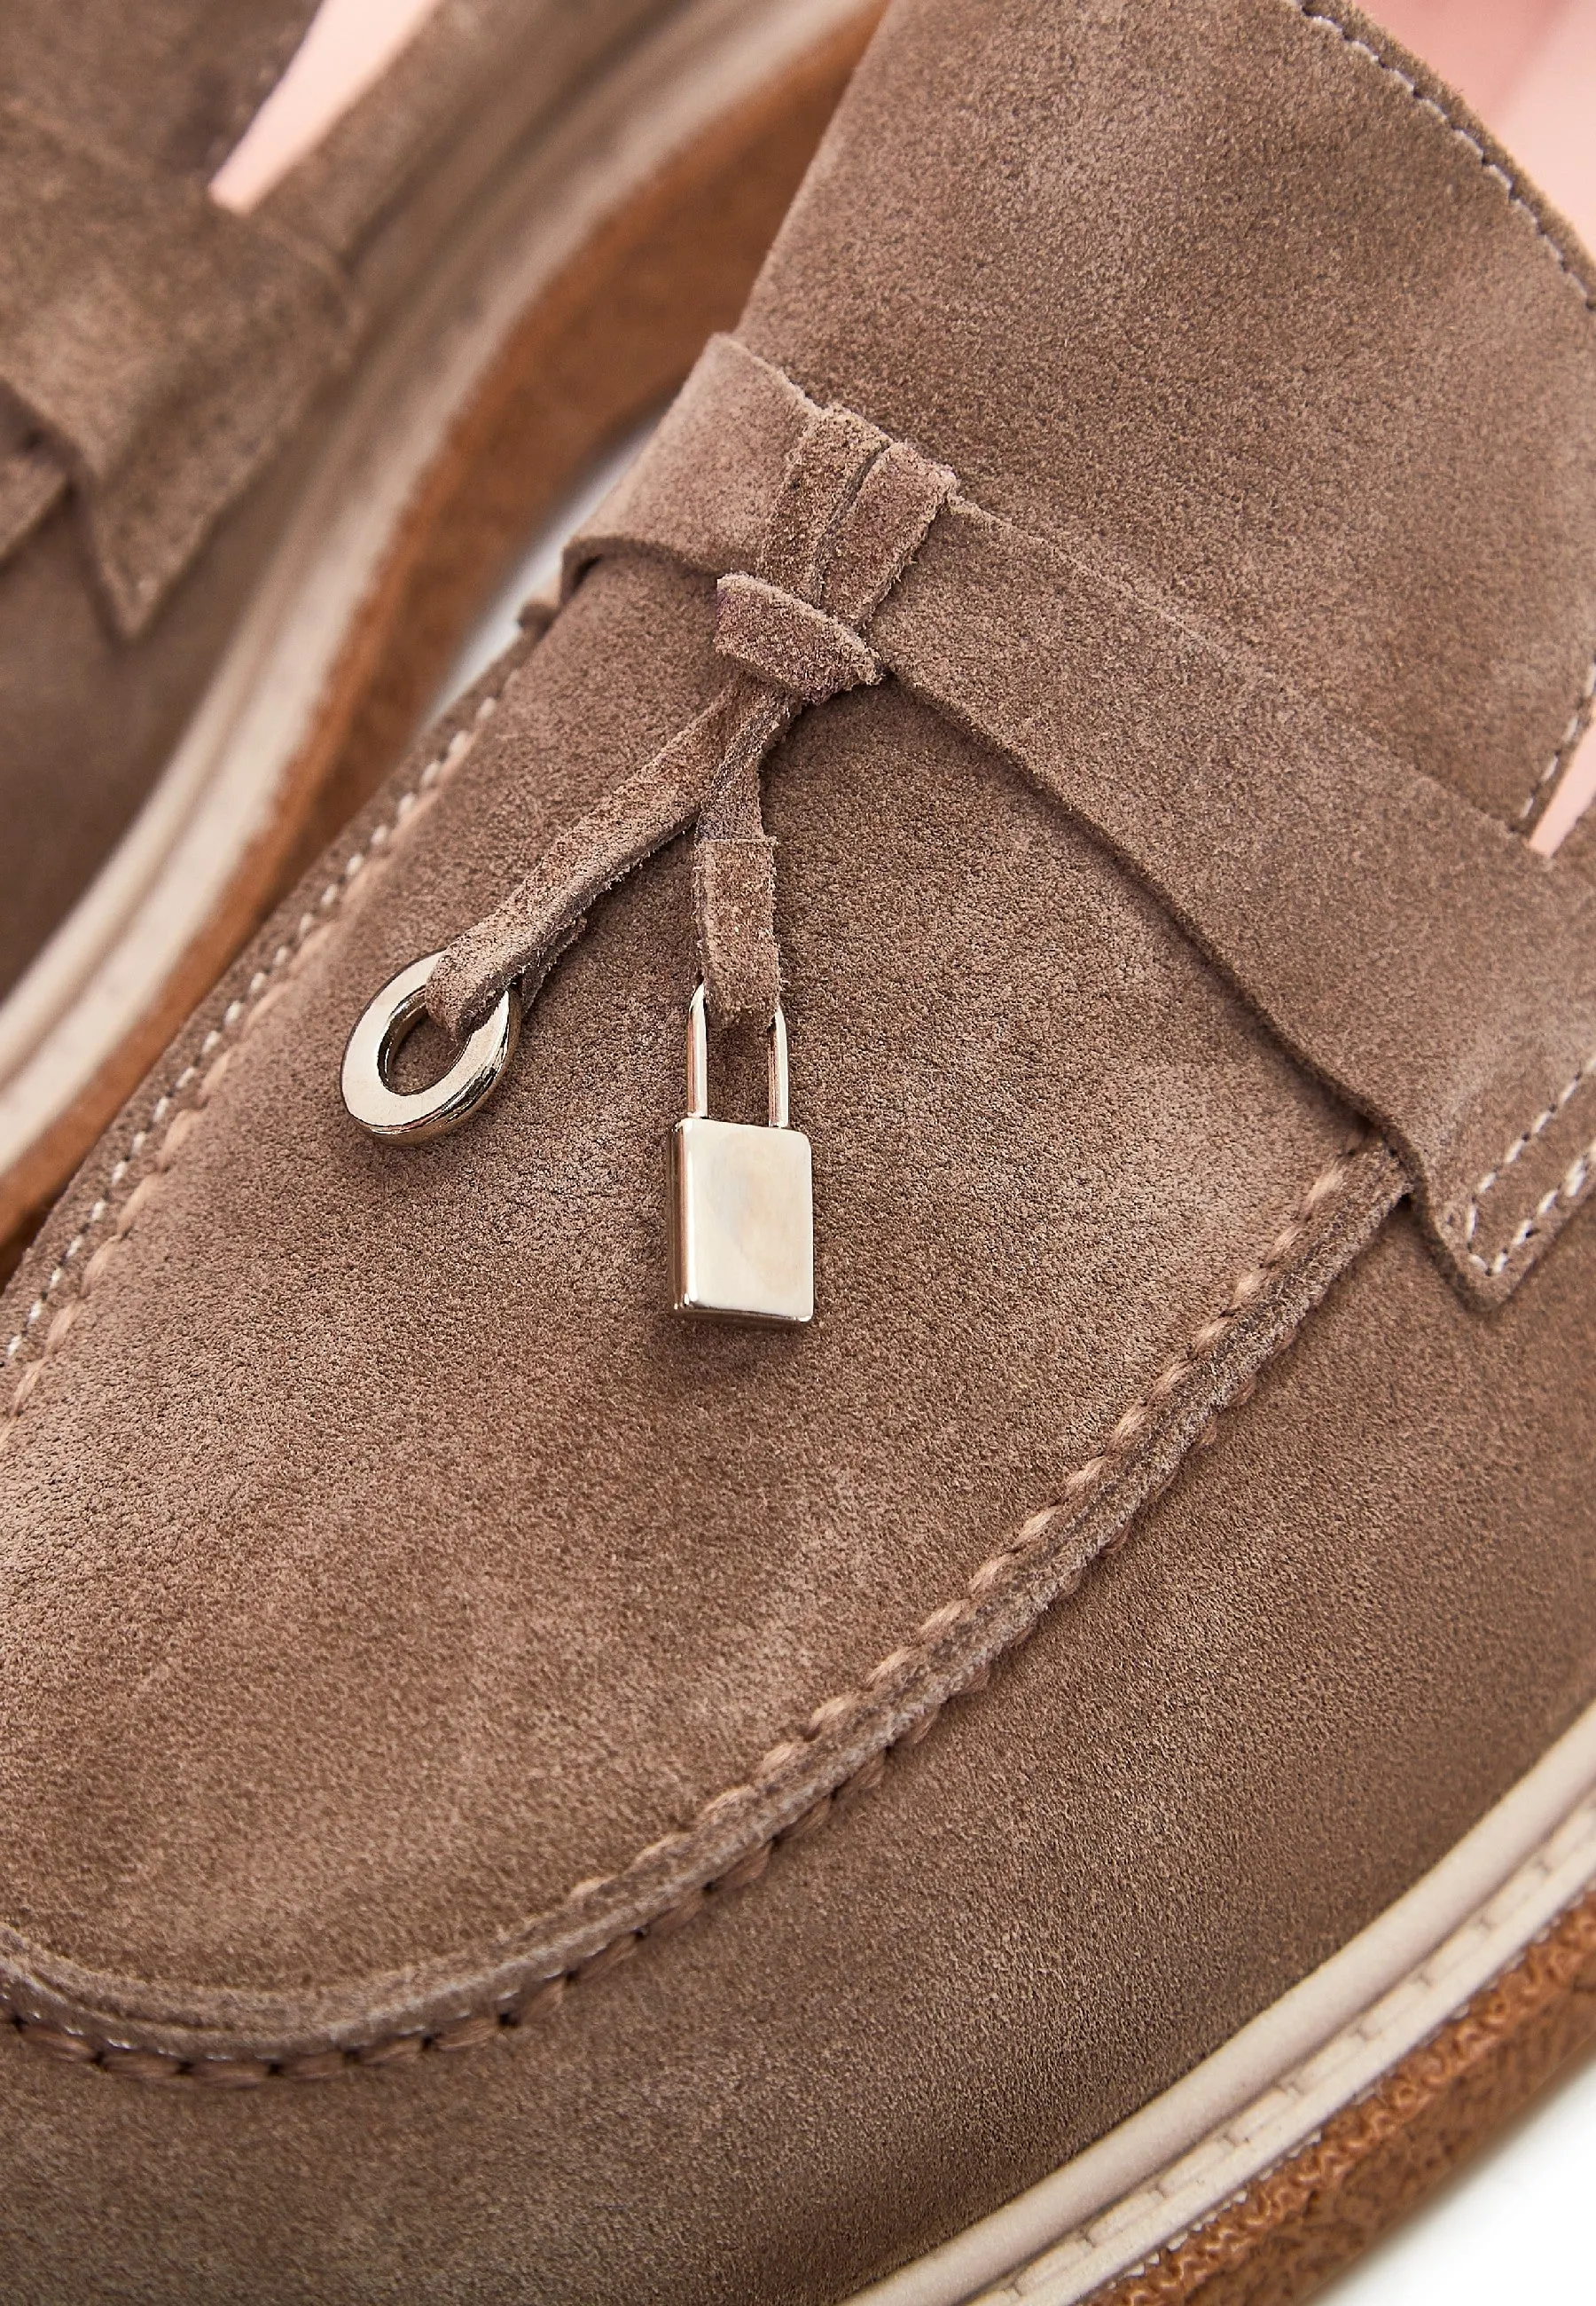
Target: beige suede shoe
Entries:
(257, 469)
(1018, 1786)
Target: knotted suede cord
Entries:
(852, 508)
(1450, 998)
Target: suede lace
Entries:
(1405, 946)
(851, 509)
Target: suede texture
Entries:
(841, 515)
(1088, 1875)
(171, 86)
(390, 1579)
(654, 1536)
(1450, 995)
(165, 347)
(1176, 341)
(88, 722)
(181, 364)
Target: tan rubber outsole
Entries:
(1281, 2156)
(609, 338)
(1310, 2216)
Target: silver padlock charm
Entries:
(742, 1200)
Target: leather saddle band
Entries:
(1406, 947)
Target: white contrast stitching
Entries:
(1570, 739)
(238, 1015)
(1471, 144)
(1574, 1180)
(1201, 2168)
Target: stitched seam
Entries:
(1379, 2027)
(1581, 1171)
(1549, 1965)
(546, 1993)
(1562, 1194)
(1471, 143)
(1501, 177)
(1571, 736)
(123, 1207)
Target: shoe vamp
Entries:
(383, 1557)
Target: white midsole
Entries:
(1278, 2081)
(105, 968)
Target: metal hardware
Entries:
(381, 1033)
(742, 1198)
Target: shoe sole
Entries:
(654, 202)
(1293, 2147)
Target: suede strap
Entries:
(1408, 948)
(845, 511)
(164, 347)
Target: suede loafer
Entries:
(1069, 1772)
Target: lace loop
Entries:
(786, 642)
(1448, 996)
(851, 509)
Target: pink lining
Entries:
(1528, 67)
(350, 44)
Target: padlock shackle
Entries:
(776, 1064)
(697, 1058)
(698, 1064)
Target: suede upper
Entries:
(171, 86)
(688, 1540)
(407, 1618)
(1451, 996)
(1242, 298)
(169, 369)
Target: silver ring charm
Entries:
(380, 1034)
